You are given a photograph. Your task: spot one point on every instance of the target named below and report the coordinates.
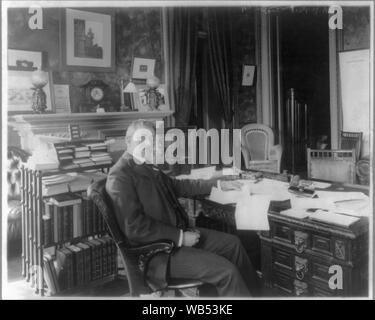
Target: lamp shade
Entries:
(39, 78)
(130, 88)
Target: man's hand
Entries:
(227, 185)
(190, 238)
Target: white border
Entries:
(53, 4)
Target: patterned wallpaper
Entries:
(243, 54)
(137, 33)
(356, 23)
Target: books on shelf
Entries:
(81, 154)
(50, 275)
(78, 264)
(70, 218)
(65, 199)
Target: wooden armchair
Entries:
(350, 141)
(258, 149)
(135, 259)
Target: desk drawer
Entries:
(283, 283)
(282, 232)
(295, 265)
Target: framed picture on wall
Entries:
(88, 40)
(25, 60)
(248, 75)
(143, 68)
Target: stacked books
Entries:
(62, 183)
(70, 216)
(82, 154)
(101, 158)
(99, 153)
(78, 264)
(65, 155)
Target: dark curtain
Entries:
(182, 48)
(220, 56)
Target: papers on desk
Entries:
(295, 213)
(252, 213)
(225, 197)
(312, 203)
(334, 218)
(322, 216)
(341, 196)
(251, 210)
(201, 173)
(350, 203)
(252, 204)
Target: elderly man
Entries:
(146, 206)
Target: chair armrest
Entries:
(146, 251)
(161, 246)
(276, 152)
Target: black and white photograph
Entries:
(184, 150)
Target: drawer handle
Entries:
(300, 245)
(300, 288)
(300, 241)
(301, 270)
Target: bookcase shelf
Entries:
(33, 238)
(46, 173)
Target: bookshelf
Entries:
(34, 244)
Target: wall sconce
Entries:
(127, 89)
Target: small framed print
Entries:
(248, 72)
(143, 68)
(25, 60)
(142, 102)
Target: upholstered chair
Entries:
(258, 149)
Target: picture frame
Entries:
(25, 60)
(248, 72)
(88, 40)
(19, 92)
(141, 103)
(143, 68)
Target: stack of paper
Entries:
(225, 197)
(295, 213)
(252, 213)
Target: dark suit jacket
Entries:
(146, 206)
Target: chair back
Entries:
(331, 165)
(350, 141)
(101, 199)
(257, 139)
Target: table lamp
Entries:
(39, 79)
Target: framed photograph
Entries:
(25, 60)
(20, 92)
(143, 68)
(88, 40)
(248, 75)
(142, 102)
(62, 98)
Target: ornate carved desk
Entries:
(296, 254)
